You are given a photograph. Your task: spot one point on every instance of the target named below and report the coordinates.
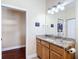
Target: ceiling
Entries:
(51, 3)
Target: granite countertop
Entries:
(59, 41)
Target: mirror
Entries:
(58, 21)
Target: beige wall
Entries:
(35, 12)
(13, 28)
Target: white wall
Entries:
(36, 11)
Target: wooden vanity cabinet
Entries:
(56, 52)
(69, 56)
(45, 53)
(54, 55)
(42, 49)
(38, 47)
(46, 50)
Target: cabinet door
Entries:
(45, 52)
(54, 55)
(69, 56)
(39, 50)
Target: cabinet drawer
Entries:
(57, 49)
(45, 43)
(54, 55)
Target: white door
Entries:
(71, 28)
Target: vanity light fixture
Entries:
(56, 8)
(60, 6)
(50, 11)
(53, 8)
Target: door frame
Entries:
(19, 9)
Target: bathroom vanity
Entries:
(54, 47)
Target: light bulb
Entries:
(56, 10)
(59, 6)
(52, 12)
(62, 8)
(49, 11)
(53, 9)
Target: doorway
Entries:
(13, 33)
(71, 28)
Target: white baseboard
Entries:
(10, 48)
(31, 56)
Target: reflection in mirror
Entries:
(60, 18)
